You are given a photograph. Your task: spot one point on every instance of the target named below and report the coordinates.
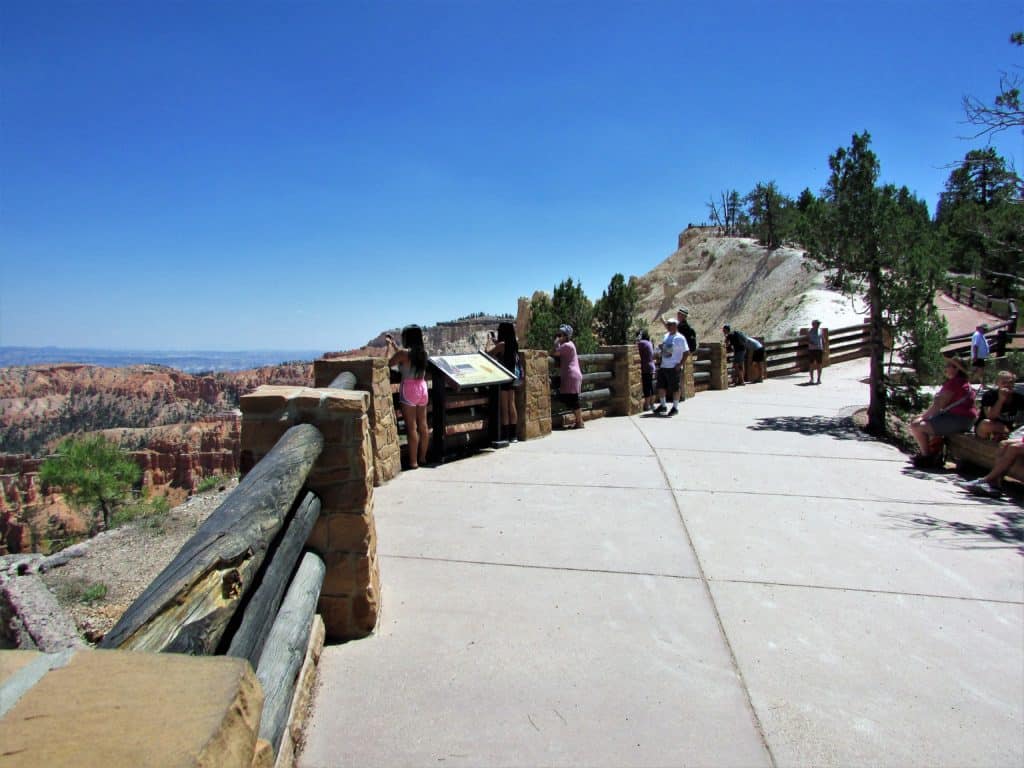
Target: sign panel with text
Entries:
(475, 369)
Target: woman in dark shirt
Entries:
(1002, 409)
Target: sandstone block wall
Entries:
(533, 399)
(626, 386)
(687, 383)
(719, 366)
(119, 708)
(373, 376)
(345, 535)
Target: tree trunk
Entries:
(876, 407)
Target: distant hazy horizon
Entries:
(186, 360)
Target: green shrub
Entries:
(208, 483)
(147, 508)
(82, 591)
(94, 592)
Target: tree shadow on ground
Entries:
(1004, 529)
(839, 427)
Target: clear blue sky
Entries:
(248, 175)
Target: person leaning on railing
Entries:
(570, 376)
(952, 411)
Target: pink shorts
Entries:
(413, 392)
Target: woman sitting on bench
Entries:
(951, 411)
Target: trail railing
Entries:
(1005, 308)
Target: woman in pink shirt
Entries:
(951, 411)
(571, 377)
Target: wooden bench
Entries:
(982, 453)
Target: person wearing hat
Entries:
(951, 411)
(979, 353)
(570, 376)
(683, 316)
(673, 352)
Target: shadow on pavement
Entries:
(839, 427)
(1005, 530)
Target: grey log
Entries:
(258, 614)
(598, 376)
(286, 648)
(344, 380)
(595, 394)
(188, 606)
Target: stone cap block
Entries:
(119, 708)
(274, 398)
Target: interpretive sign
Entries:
(475, 369)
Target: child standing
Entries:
(411, 359)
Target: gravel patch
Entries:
(112, 570)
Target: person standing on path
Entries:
(673, 353)
(815, 349)
(979, 354)
(570, 376)
(411, 359)
(506, 350)
(647, 367)
(682, 315)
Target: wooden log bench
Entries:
(967, 448)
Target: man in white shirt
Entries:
(979, 353)
(673, 352)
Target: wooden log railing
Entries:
(1005, 308)
(597, 370)
(224, 588)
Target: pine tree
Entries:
(615, 311)
(91, 472)
(880, 242)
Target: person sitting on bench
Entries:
(1010, 452)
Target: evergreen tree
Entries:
(615, 311)
(880, 242)
(768, 210)
(91, 472)
(980, 217)
(567, 305)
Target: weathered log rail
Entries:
(1005, 308)
(231, 588)
(597, 371)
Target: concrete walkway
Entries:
(751, 583)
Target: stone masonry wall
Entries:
(373, 376)
(342, 477)
(626, 386)
(719, 372)
(533, 399)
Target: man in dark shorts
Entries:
(673, 353)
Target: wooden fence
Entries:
(1005, 308)
(237, 587)
(598, 373)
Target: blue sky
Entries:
(229, 175)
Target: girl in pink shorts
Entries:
(411, 359)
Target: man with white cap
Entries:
(673, 352)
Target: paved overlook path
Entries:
(751, 583)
